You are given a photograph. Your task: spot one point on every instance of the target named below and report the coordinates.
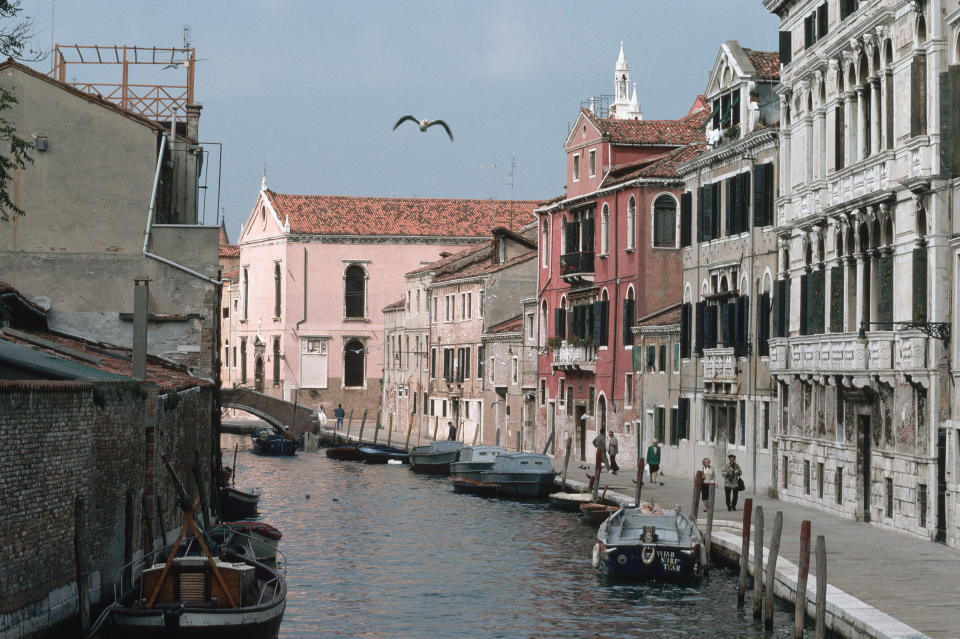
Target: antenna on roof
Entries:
(186, 36)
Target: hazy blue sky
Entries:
(312, 88)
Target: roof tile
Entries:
(766, 63)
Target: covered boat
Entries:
(569, 502)
(260, 537)
(380, 454)
(473, 460)
(521, 475)
(348, 452)
(435, 457)
(267, 443)
(237, 504)
(648, 543)
(473, 486)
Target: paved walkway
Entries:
(910, 579)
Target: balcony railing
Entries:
(577, 265)
(867, 176)
(719, 365)
(844, 353)
(575, 358)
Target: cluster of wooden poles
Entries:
(754, 515)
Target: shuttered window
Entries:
(817, 306)
(839, 134)
(763, 182)
(920, 285)
(836, 299)
(727, 323)
(847, 7)
(560, 322)
(658, 418)
(664, 222)
(628, 319)
(918, 95)
(786, 46)
(700, 326)
(742, 321)
(651, 358)
(710, 326)
(685, 330)
(781, 308)
(885, 294)
(662, 364)
(683, 418)
(686, 217)
(763, 325)
(806, 304)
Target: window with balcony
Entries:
(631, 223)
(590, 322)
(665, 222)
(578, 235)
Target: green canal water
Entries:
(378, 551)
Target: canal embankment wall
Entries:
(99, 441)
(846, 615)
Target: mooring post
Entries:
(708, 539)
(406, 445)
(147, 524)
(821, 622)
(697, 482)
(376, 428)
(757, 561)
(800, 606)
(436, 427)
(349, 425)
(566, 462)
(390, 430)
(744, 552)
(80, 561)
(772, 570)
(128, 524)
(363, 423)
(641, 462)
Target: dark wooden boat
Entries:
(472, 486)
(274, 444)
(596, 514)
(378, 454)
(260, 536)
(435, 457)
(347, 452)
(569, 502)
(238, 504)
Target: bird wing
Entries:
(404, 119)
(444, 125)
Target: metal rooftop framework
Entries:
(158, 102)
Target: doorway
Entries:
(863, 463)
(941, 485)
(581, 426)
(258, 374)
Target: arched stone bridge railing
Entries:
(272, 410)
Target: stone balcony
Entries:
(719, 365)
(884, 353)
(575, 358)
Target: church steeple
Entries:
(623, 108)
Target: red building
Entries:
(609, 254)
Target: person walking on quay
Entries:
(613, 448)
(653, 458)
(600, 443)
(732, 482)
(709, 478)
(338, 412)
(452, 430)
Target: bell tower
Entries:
(624, 108)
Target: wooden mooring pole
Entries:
(349, 425)
(772, 570)
(80, 561)
(566, 462)
(363, 422)
(390, 430)
(744, 552)
(708, 538)
(406, 444)
(376, 428)
(697, 482)
(800, 606)
(820, 631)
(757, 561)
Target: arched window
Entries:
(631, 222)
(605, 230)
(354, 355)
(276, 289)
(545, 244)
(355, 284)
(629, 317)
(665, 222)
(542, 337)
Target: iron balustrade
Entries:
(574, 263)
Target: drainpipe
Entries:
(150, 214)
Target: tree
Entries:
(14, 33)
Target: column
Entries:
(861, 125)
(822, 151)
(850, 294)
(861, 293)
(873, 276)
(874, 115)
(808, 134)
(882, 92)
(848, 124)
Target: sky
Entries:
(310, 90)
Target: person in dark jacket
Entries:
(453, 431)
(613, 447)
(731, 481)
(338, 412)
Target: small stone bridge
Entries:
(272, 410)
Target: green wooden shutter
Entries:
(658, 424)
(920, 284)
(763, 325)
(685, 330)
(707, 213)
(597, 315)
(715, 224)
(738, 213)
(651, 357)
(785, 309)
(711, 326)
(759, 195)
(744, 215)
(918, 95)
(627, 321)
(604, 323)
(836, 299)
(726, 324)
(730, 187)
(786, 46)
(674, 427)
(700, 215)
(885, 299)
(822, 20)
(663, 358)
(637, 358)
(819, 301)
(686, 211)
(805, 304)
(699, 328)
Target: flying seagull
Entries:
(423, 124)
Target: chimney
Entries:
(141, 297)
(193, 121)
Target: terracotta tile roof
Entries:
(348, 215)
(663, 167)
(766, 63)
(7, 292)
(444, 264)
(663, 317)
(685, 130)
(512, 325)
(395, 306)
(484, 267)
(229, 250)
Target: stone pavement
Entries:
(910, 579)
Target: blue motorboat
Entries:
(381, 454)
(647, 543)
(521, 475)
(272, 443)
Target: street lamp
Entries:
(936, 330)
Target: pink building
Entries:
(609, 253)
(316, 272)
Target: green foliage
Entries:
(553, 343)
(14, 34)
(173, 399)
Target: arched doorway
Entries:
(353, 356)
(258, 374)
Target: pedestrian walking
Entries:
(709, 478)
(613, 447)
(338, 412)
(452, 430)
(732, 482)
(600, 443)
(653, 458)
(320, 417)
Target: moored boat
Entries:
(472, 486)
(521, 475)
(596, 513)
(569, 502)
(267, 443)
(380, 454)
(649, 543)
(473, 460)
(237, 504)
(436, 457)
(344, 452)
(260, 536)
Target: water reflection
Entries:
(377, 551)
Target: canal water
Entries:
(378, 551)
